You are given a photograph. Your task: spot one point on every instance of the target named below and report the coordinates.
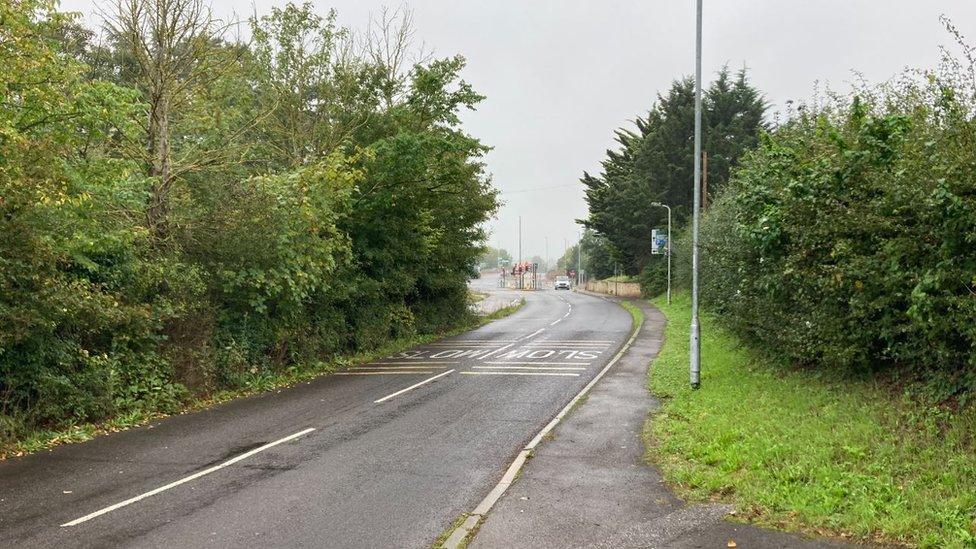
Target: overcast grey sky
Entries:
(560, 75)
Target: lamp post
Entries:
(659, 205)
(695, 343)
(579, 261)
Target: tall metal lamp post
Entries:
(659, 205)
(695, 347)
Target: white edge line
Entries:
(412, 387)
(184, 480)
(463, 531)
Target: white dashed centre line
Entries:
(184, 480)
(412, 387)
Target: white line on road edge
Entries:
(460, 534)
(412, 387)
(184, 480)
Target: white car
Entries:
(562, 283)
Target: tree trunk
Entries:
(161, 169)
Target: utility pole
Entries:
(704, 180)
(695, 350)
(579, 261)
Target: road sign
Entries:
(659, 241)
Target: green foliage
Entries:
(839, 455)
(599, 258)
(654, 164)
(848, 238)
(323, 201)
(491, 258)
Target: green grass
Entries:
(43, 439)
(811, 452)
(636, 315)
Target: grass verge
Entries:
(44, 439)
(801, 450)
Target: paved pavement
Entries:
(385, 455)
(589, 486)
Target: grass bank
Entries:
(806, 451)
(81, 432)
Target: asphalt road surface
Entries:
(384, 455)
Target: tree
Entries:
(494, 257)
(653, 162)
(173, 47)
(308, 76)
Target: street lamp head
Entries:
(656, 204)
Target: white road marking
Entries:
(386, 373)
(412, 387)
(418, 362)
(533, 334)
(542, 368)
(475, 517)
(498, 350)
(184, 480)
(600, 341)
(486, 340)
(519, 374)
(411, 367)
(468, 344)
(545, 345)
(544, 363)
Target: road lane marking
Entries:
(533, 334)
(405, 367)
(461, 533)
(600, 341)
(510, 345)
(544, 363)
(412, 387)
(541, 368)
(184, 480)
(400, 372)
(519, 374)
(418, 362)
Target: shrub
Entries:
(848, 238)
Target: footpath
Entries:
(588, 486)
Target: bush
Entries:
(848, 238)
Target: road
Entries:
(383, 455)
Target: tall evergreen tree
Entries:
(654, 162)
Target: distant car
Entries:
(562, 283)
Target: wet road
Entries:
(387, 454)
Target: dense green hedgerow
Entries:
(847, 239)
